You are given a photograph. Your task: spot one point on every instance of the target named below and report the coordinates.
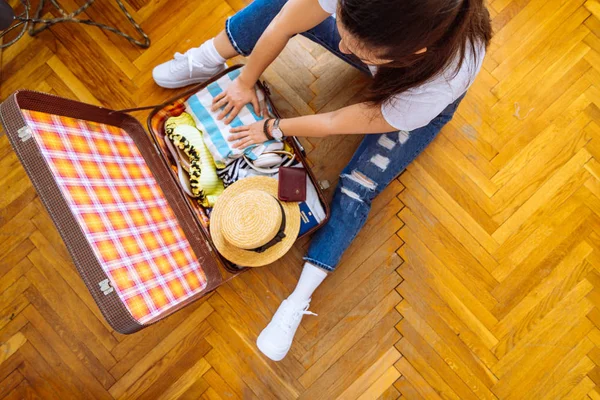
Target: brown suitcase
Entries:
(140, 244)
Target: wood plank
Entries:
(13, 344)
(462, 346)
(11, 382)
(230, 374)
(543, 299)
(61, 297)
(353, 334)
(421, 386)
(367, 385)
(69, 360)
(480, 263)
(366, 287)
(184, 382)
(540, 264)
(71, 339)
(124, 384)
(173, 366)
(357, 361)
(446, 352)
(218, 384)
(566, 316)
(23, 391)
(39, 374)
(61, 375)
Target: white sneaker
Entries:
(276, 339)
(184, 69)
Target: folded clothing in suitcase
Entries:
(140, 244)
(197, 102)
(215, 131)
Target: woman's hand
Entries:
(232, 99)
(248, 135)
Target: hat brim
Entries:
(249, 258)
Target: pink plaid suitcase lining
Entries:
(122, 212)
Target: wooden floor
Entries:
(477, 275)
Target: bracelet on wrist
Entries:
(266, 129)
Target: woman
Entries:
(423, 55)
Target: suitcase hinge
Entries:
(105, 287)
(25, 133)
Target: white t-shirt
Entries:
(416, 107)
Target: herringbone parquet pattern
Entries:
(477, 275)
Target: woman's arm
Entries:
(295, 17)
(355, 119)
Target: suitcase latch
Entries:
(105, 287)
(25, 133)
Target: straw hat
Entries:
(246, 221)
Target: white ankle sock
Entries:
(208, 55)
(310, 279)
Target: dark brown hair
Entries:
(397, 29)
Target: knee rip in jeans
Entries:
(352, 194)
(386, 142)
(402, 136)
(380, 161)
(362, 180)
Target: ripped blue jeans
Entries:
(378, 160)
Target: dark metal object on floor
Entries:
(7, 15)
(37, 24)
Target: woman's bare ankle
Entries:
(223, 46)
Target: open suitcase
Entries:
(140, 244)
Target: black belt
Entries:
(278, 237)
